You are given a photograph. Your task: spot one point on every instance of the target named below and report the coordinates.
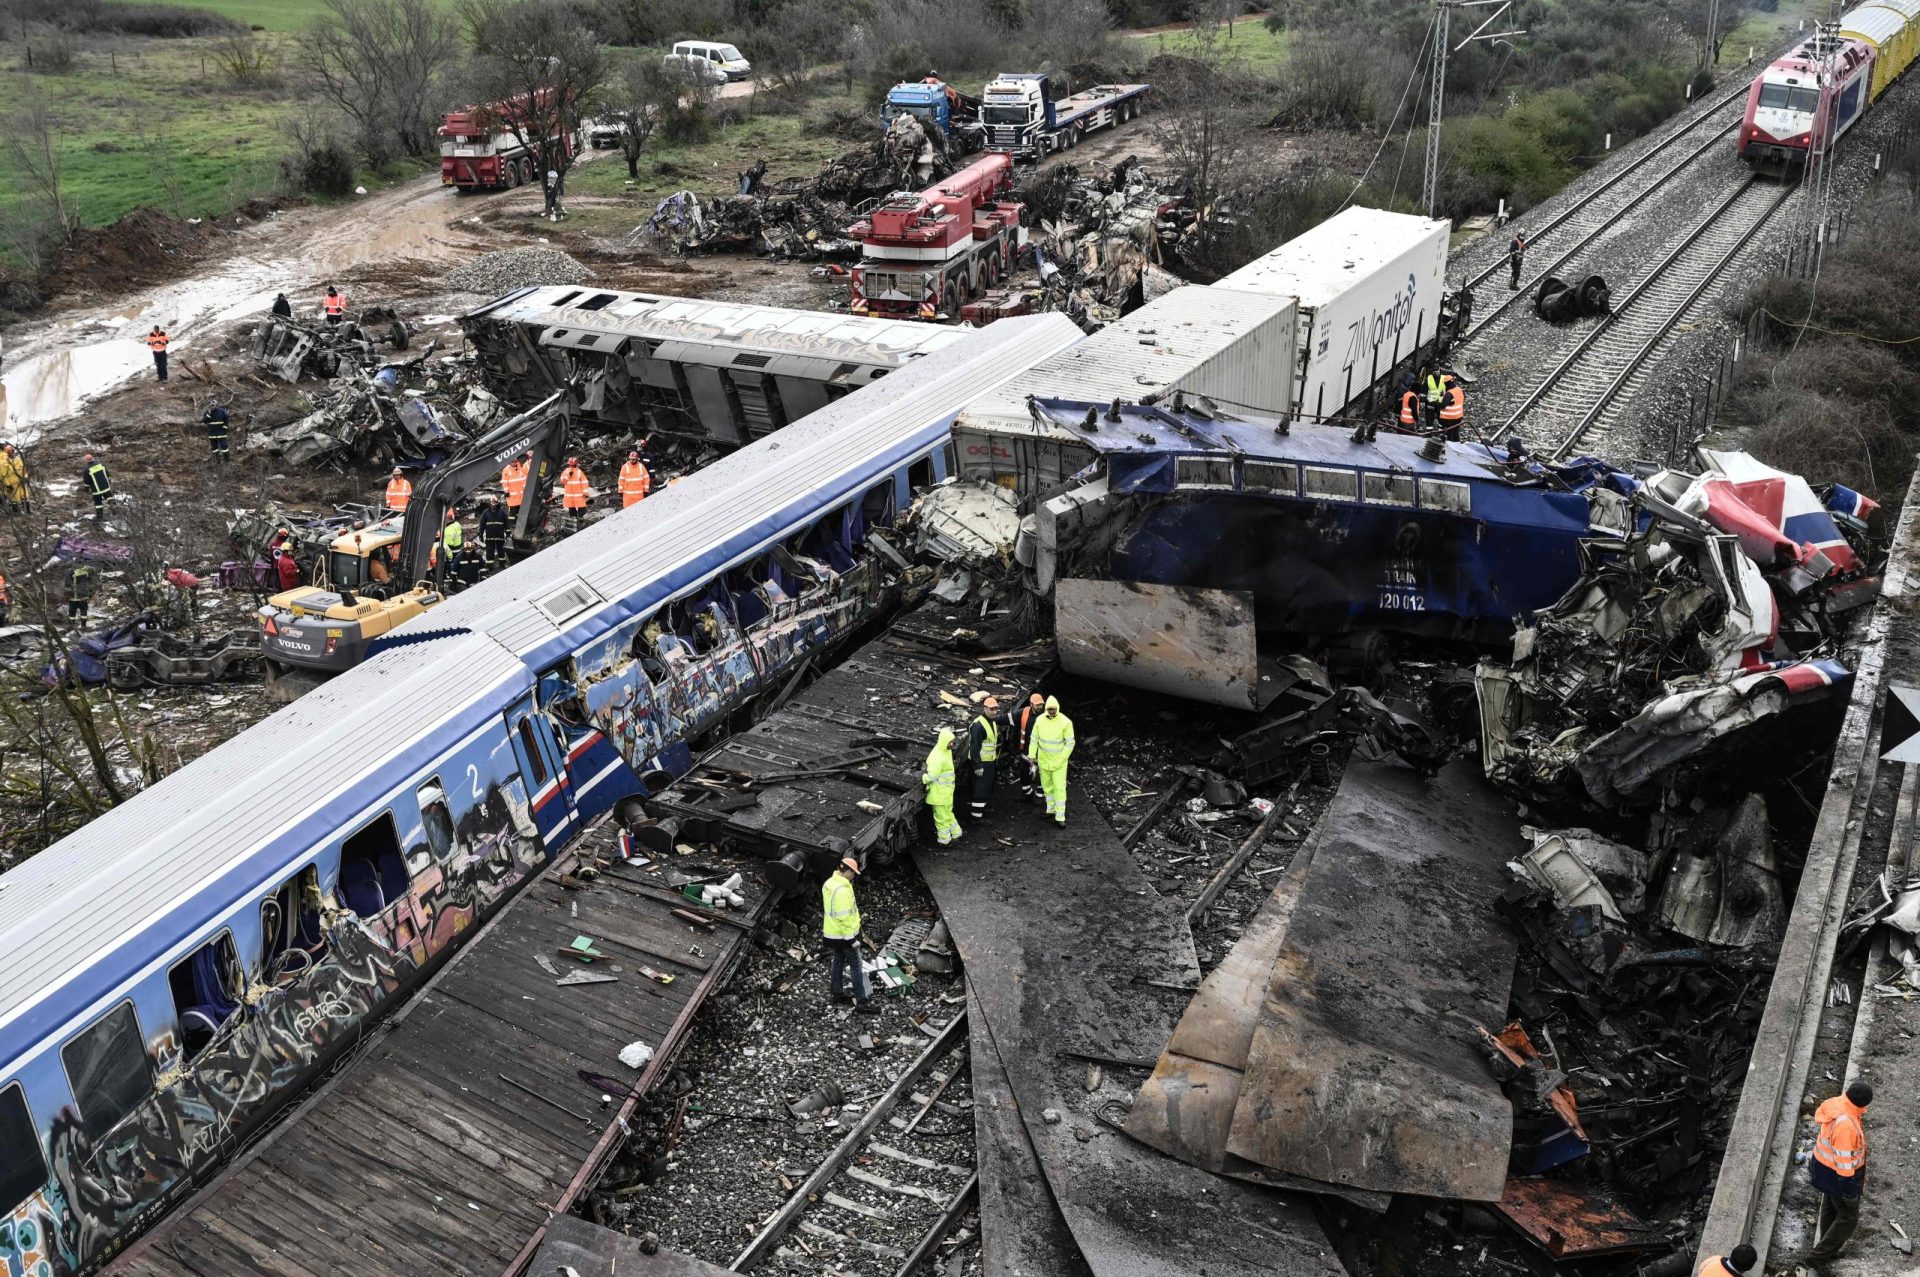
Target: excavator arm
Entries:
(543, 430)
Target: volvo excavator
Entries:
(313, 632)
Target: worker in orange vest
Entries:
(1453, 412)
(1737, 1264)
(1839, 1168)
(574, 493)
(1410, 408)
(399, 492)
(335, 304)
(514, 480)
(157, 342)
(635, 482)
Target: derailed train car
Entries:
(175, 973)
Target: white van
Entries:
(711, 61)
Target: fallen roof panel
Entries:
(1366, 1069)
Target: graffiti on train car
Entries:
(474, 844)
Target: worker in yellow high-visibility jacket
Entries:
(938, 779)
(840, 930)
(1050, 745)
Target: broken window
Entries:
(599, 301)
(1276, 477)
(920, 474)
(1203, 472)
(1445, 494)
(1387, 489)
(571, 599)
(290, 926)
(531, 748)
(372, 873)
(23, 1167)
(436, 821)
(876, 508)
(1324, 484)
(564, 298)
(108, 1069)
(205, 993)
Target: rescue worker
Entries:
(1516, 256)
(1029, 772)
(1839, 1168)
(840, 929)
(983, 752)
(465, 566)
(282, 308)
(377, 572)
(334, 304)
(574, 492)
(80, 583)
(216, 419)
(157, 343)
(6, 599)
(635, 483)
(937, 777)
(1453, 412)
(1410, 408)
(13, 478)
(1434, 393)
(399, 491)
(493, 532)
(287, 568)
(99, 483)
(1738, 1263)
(453, 536)
(1050, 746)
(514, 480)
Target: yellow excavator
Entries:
(312, 632)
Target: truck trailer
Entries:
(480, 150)
(924, 254)
(1031, 114)
(1369, 286)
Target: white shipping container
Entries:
(1368, 284)
(1234, 347)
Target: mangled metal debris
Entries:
(292, 349)
(400, 413)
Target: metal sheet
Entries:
(1065, 977)
(1193, 643)
(1575, 1221)
(1366, 1069)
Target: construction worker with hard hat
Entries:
(1050, 745)
(1410, 408)
(514, 480)
(1453, 410)
(1838, 1168)
(840, 930)
(1023, 725)
(399, 491)
(937, 778)
(334, 304)
(635, 482)
(453, 536)
(13, 478)
(1739, 1262)
(574, 492)
(983, 754)
(157, 342)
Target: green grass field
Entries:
(788, 140)
(272, 15)
(1761, 31)
(1260, 50)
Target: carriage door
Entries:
(549, 791)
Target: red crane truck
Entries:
(481, 150)
(924, 254)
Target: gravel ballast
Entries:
(513, 268)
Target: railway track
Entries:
(890, 1191)
(1591, 386)
(1596, 213)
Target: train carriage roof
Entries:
(148, 874)
(1875, 23)
(636, 559)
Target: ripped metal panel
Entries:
(1575, 1221)
(1366, 1069)
(1186, 642)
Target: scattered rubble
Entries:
(504, 271)
(292, 349)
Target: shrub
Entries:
(328, 170)
(52, 54)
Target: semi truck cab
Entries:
(1015, 106)
(925, 99)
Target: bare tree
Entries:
(1205, 128)
(543, 64)
(1070, 32)
(639, 100)
(792, 46)
(383, 64)
(33, 159)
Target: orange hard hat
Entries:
(634, 455)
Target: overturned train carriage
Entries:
(174, 974)
(715, 371)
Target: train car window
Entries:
(876, 508)
(1203, 472)
(949, 460)
(1387, 489)
(436, 821)
(290, 926)
(920, 474)
(532, 749)
(1334, 485)
(372, 872)
(1276, 477)
(1445, 494)
(108, 1069)
(205, 989)
(23, 1167)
